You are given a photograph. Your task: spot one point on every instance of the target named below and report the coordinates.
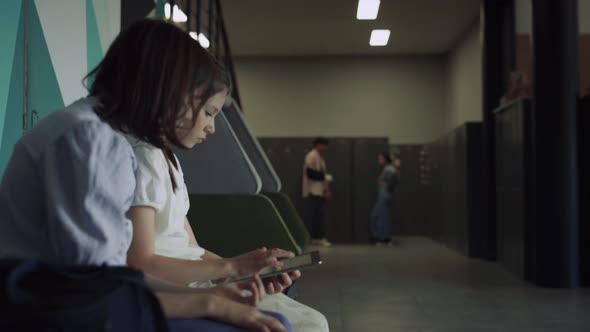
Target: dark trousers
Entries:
(316, 215)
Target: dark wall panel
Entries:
(411, 196)
(134, 10)
(286, 156)
(339, 216)
(584, 162)
(453, 195)
(512, 209)
(478, 227)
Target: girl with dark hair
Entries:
(66, 193)
(381, 227)
(164, 245)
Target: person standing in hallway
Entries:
(316, 191)
(381, 224)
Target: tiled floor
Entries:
(420, 285)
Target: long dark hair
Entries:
(147, 78)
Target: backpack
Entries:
(36, 296)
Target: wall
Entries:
(524, 16)
(398, 97)
(66, 39)
(523, 52)
(465, 80)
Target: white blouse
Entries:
(154, 189)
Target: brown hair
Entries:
(146, 78)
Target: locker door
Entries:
(287, 160)
(409, 218)
(339, 211)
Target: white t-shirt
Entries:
(154, 189)
(314, 161)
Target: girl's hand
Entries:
(248, 317)
(248, 293)
(252, 262)
(277, 284)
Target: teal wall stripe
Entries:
(159, 12)
(13, 120)
(10, 21)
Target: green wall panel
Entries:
(12, 123)
(10, 17)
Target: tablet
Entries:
(289, 264)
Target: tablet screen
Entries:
(289, 264)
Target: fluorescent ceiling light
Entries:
(367, 10)
(178, 16)
(379, 37)
(201, 38)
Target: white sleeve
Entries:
(152, 178)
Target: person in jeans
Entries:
(316, 191)
(381, 225)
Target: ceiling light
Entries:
(379, 37)
(178, 16)
(201, 38)
(367, 10)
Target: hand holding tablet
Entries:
(289, 264)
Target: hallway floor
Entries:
(420, 285)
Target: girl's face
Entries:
(380, 160)
(205, 124)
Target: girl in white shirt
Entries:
(164, 244)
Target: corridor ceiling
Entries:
(330, 27)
